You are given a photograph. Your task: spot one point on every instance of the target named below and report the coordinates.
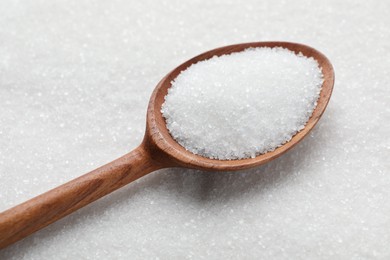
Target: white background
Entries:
(75, 79)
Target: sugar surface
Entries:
(75, 81)
(244, 104)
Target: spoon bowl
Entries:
(158, 137)
(157, 150)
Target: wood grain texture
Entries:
(158, 150)
(30, 216)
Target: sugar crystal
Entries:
(243, 104)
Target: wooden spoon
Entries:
(158, 150)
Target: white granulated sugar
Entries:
(75, 81)
(244, 104)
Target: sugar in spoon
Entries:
(158, 150)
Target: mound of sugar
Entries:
(243, 104)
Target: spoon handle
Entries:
(36, 213)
